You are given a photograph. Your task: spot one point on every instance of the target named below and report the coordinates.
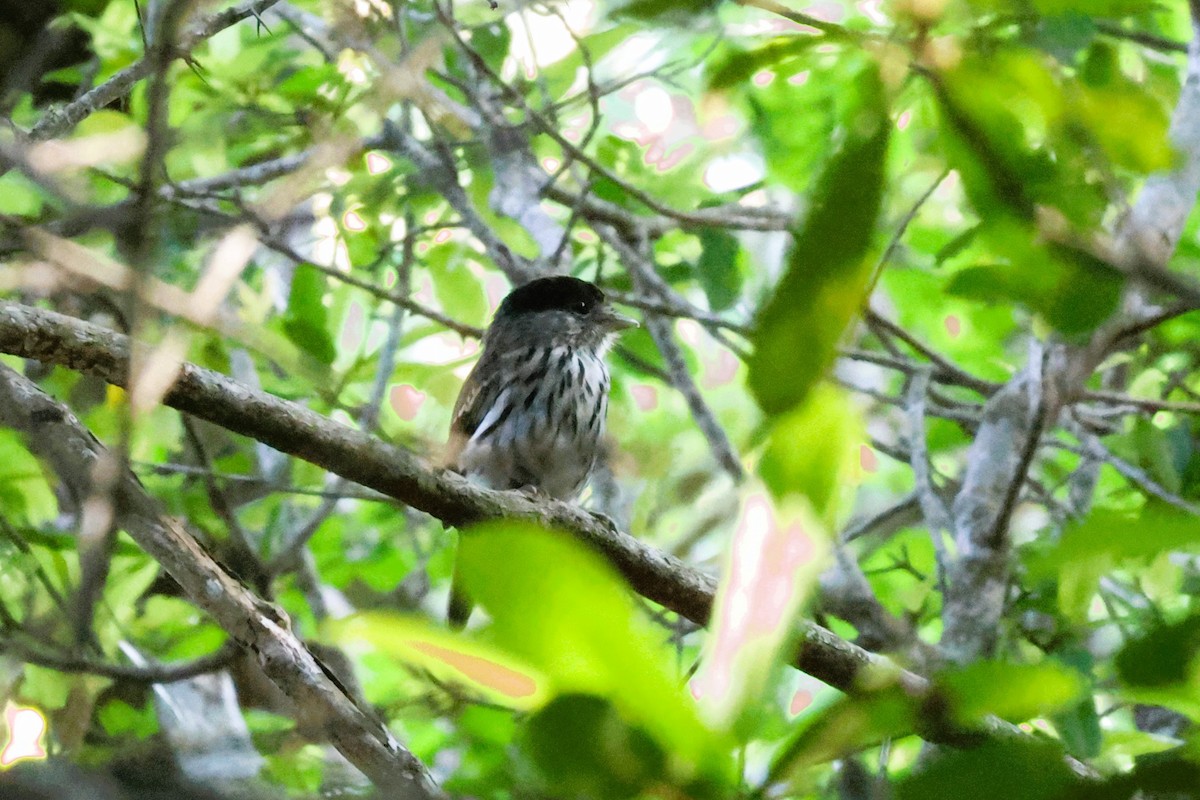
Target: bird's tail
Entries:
(460, 606)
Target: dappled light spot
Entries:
(867, 458)
(953, 326)
(689, 331)
(829, 12)
(763, 77)
(731, 172)
(873, 10)
(723, 127)
(801, 700)
(377, 163)
(485, 672)
(800, 78)
(442, 236)
(721, 370)
(26, 727)
(406, 401)
(645, 397)
(353, 222)
(551, 164)
(652, 107)
(659, 158)
(495, 287)
(354, 327)
(903, 120)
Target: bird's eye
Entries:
(580, 307)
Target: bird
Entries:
(531, 413)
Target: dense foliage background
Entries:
(913, 401)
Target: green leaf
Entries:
(847, 726)
(1071, 290)
(813, 450)
(1117, 536)
(118, 717)
(559, 608)
(459, 291)
(718, 269)
(1090, 549)
(1015, 692)
(1162, 657)
(491, 41)
(25, 494)
(583, 747)
(20, 196)
(1007, 769)
(1079, 728)
(829, 265)
(306, 323)
(1106, 112)
(739, 66)
(1079, 724)
(1099, 8)
(656, 10)
(482, 668)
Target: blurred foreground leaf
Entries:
(773, 562)
(560, 608)
(450, 657)
(829, 265)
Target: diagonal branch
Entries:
(356, 456)
(61, 120)
(55, 435)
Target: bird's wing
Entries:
(477, 397)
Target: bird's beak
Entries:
(615, 321)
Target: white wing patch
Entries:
(492, 415)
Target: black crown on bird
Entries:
(531, 414)
(559, 311)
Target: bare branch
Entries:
(641, 270)
(933, 508)
(358, 457)
(57, 436)
(60, 120)
(996, 464)
(148, 673)
(905, 512)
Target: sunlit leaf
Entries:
(1015, 692)
(774, 558)
(482, 668)
(561, 609)
(813, 450)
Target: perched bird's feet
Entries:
(605, 520)
(534, 493)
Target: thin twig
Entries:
(58, 121)
(933, 508)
